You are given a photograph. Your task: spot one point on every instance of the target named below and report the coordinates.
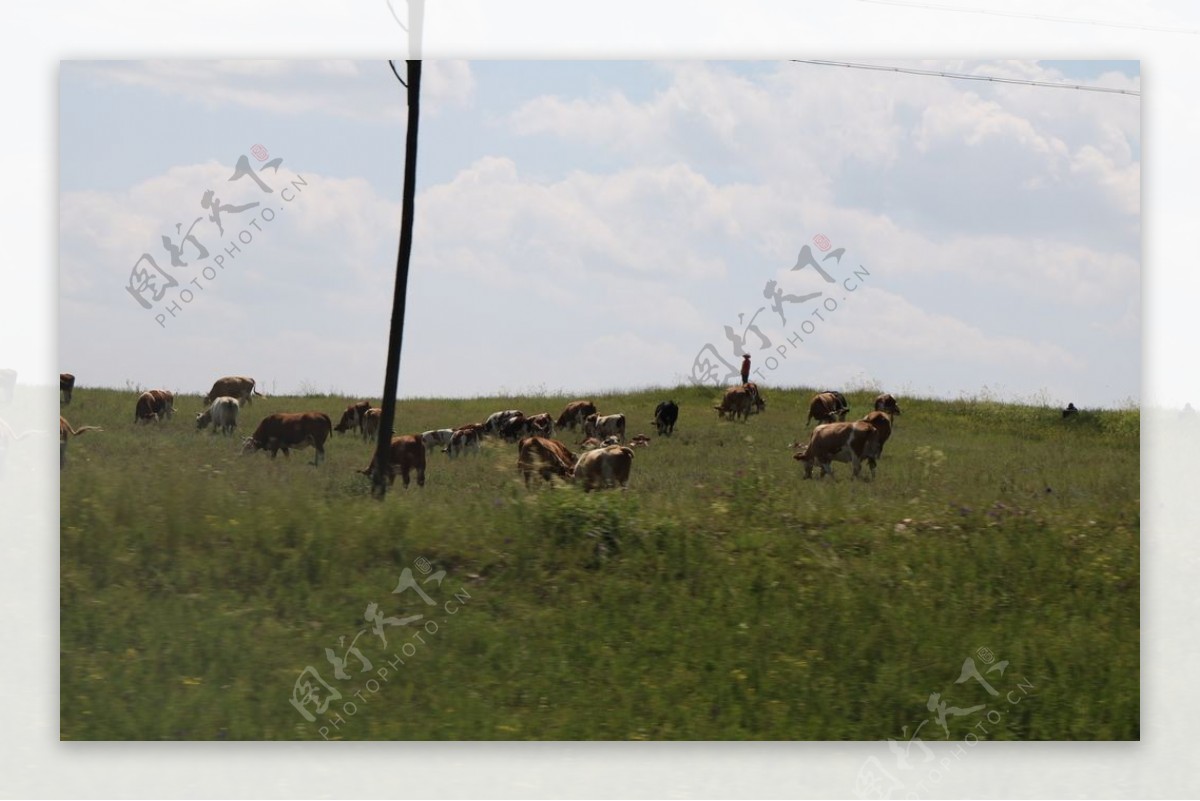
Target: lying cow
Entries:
(665, 415)
(285, 431)
(353, 418)
(548, 457)
(610, 425)
(407, 453)
(436, 438)
(575, 413)
(827, 407)
(841, 442)
(604, 467)
(221, 414)
(887, 403)
(640, 441)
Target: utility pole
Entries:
(383, 448)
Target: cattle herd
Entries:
(606, 455)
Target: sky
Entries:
(587, 226)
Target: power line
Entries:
(1045, 17)
(964, 77)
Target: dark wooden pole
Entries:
(379, 481)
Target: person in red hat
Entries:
(745, 368)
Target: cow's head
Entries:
(203, 419)
(250, 445)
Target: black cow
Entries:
(665, 415)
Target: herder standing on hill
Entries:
(745, 368)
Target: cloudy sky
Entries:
(583, 226)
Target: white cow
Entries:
(440, 436)
(222, 414)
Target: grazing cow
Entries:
(495, 422)
(514, 428)
(575, 413)
(66, 385)
(549, 457)
(371, 421)
(407, 453)
(8, 384)
(146, 409)
(665, 415)
(842, 442)
(740, 401)
(1069, 411)
(164, 403)
(463, 438)
(353, 418)
(291, 430)
(883, 427)
(605, 426)
(827, 407)
(542, 425)
(65, 432)
(221, 414)
(234, 386)
(604, 467)
(887, 403)
(436, 437)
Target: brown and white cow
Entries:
(371, 421)
(827, 407)
(437, 437)
(234, 386)
(549, 457)
(66, 385)
(465, 438)
(883, 425)
(164, 401)
(222, 414)
(65, 432)
(609, 425)
(541, 425)
(407, 454)
(604, 467)
(352, 418)
(740, 401)
(495, 422)
(146, 408)
(286, 431)
(887, 403)
(841, 442)
(575, 413)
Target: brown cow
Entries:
(542, 425)
(575, 413)
(66, 385)
(371, 420)
(740, 401)
(842, 442)
(604, 467)
(605, 426)
(146, 409)
(353, 418)
(291, 430)
(235, 386)
(407, 453)
(467, 436)
(164, 403)
(827, 407)
(65, 432)
(887, 403)
(549, 457)
(883, 426)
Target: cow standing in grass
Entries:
(604, 467)
(548, 457)
(666, 413)
(286, 431)
(840, 442)
(575, 413)
(222, 414)
(827, 407)
(406, 454)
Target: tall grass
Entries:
(720, 597)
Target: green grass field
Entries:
(721, 597)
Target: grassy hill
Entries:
(720, 597)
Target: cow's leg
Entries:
(420, 476)
(319, 456)
(404, 468)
